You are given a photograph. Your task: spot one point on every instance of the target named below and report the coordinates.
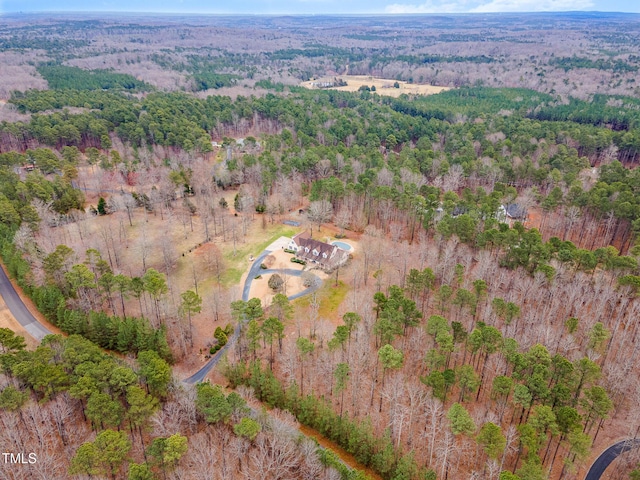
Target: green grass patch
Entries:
(237, 264)
(330, 297)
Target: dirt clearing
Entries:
(7, 321)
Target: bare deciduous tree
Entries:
(320, 212)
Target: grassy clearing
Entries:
(236, 265)
(330, 298)
(384, 86)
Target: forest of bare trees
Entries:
(540, 52)
(484, 326)
(581, 319)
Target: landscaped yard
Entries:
(237, 264)
(330, 298)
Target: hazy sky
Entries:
(318, 6)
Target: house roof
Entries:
(316, 245)
(515, 211)
(302, 235)
(459, 210)
(324, 253)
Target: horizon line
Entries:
(301, 14)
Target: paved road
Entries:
(608, 456)
(254, 271)
(19, 310)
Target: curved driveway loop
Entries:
(254, 271)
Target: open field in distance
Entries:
(384, 86)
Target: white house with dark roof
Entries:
(325, 255)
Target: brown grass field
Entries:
(384, 86)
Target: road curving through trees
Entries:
(254, 271)
(608, 456)
(19, 310)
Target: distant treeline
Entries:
(35, 101)
(569, 63)
(40, 43)
(313, 51)
(472, 102)
(62, 77)
(428, 59)
(207, 72)
(209, 79)
(617, 113)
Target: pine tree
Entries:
(102, 206)
(460, 420)
(492, 440)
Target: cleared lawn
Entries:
(330, 298)
(236, 265)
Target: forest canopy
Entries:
(62, 77)
(155, 177)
